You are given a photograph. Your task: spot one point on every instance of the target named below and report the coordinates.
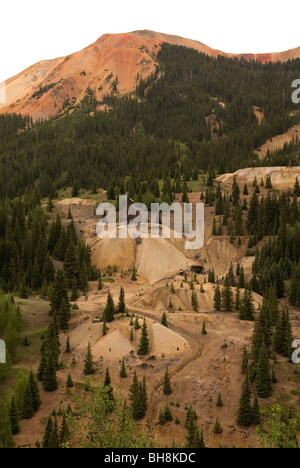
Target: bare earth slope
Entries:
(127, 56)
(283, 178)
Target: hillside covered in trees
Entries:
(195, 112)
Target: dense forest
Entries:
(195, 113)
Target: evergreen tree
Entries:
(64, 315)
(217, 427)
(104, 327)
(199, 440)
(108, 387)
(64, 433)
(70, 383)
(13, 417)
(54, 438)
(74, 293)
(123, 373)
(168, 414)
(68, 346)
(219, 403)
(217, 299)
(167, 383)
(36, 401)
(256, 411)
(89, 366)
(47, 434)
(263, 381)
(121, 309)
(245, 361)
(144, 341)
(204, 332)
(27, 411)
(191, 431)
(109, 310)
(164, 320)
(136, 398)
(49, 378)
(161, 418)
(245, 415)
(227, 296)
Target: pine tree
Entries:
(109, 310)
(64, 433)
(123, 373)
(70, 383)
(49, 378)
(219, 403)
(204, 332)
(134, 277)
(64, 315)
(247, 306)
(144, 341)
(89, 366)
(131, 334)
(137, 324)
(47, 433)
(42, 367)
(36, 401)
(68, 346)
(256, 411)
(54, 438)
(104, 327)
(245, 361)
(168, 414)
(263, 381)
(144, 394)
(217, 299)
(199, 440)
(227, 296)
(217, 427)
(167, 383)
(257, 340)
(161, 418)
(13, 417)
(164, 320)
(136, 398)
(191, 431)
(74, 293)
(245, 416)
(121, 309)
(194, 301)
(108, 387)
(27, 410)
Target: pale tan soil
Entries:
(283, 178)
(278, 142)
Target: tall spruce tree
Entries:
(49, 378)
(144, 341)
(89, 366)
(167, 383)
(263, 381)
(245, 415)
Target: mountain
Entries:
(114, 61)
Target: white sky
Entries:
(33, 30)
